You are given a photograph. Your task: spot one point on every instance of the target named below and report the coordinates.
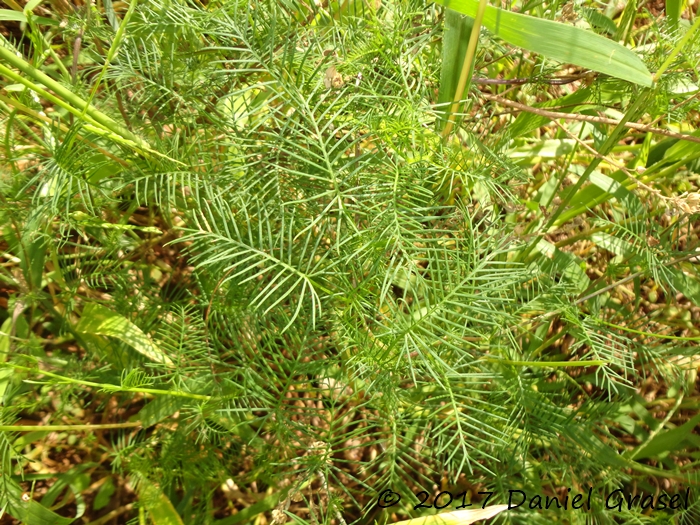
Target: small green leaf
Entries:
(157, 410)
(566, 264)
(599, 21)
(29, 512)
(13, 87)
(98, 320)
(686, 285)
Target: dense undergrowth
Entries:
(252, 272)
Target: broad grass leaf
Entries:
(30, 512)
(613, 187)
(111, 16)
(8, 15)
(5, 339)
(159, 507)
(613, 244)
(566, 264)
(565, 43)
(246, 515)
(667, 441)
(544, 149)
(680, 149)
(687, 285)
(673, 11)
(457, 517)
(601, 191)
(98, 320)
(458, 29)
(31, 5)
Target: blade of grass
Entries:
(673, 12)
(159, 507)
(458, 29)
(118, 37)
(559, 41)
(69, 99)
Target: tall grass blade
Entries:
(458, 29)
(673, 11)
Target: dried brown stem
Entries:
(587, 118)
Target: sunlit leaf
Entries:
(457, 517)
(559, 41)
(98, 320)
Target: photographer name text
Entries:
(617, 500)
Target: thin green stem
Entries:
(107, 386)
(648, 334)
(548, 364)
(73, 101)
(118, 37)
(60, 428)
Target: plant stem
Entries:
(59, 428)
(587, 118)
(73, 100)
(648, 334)
(548, 364)
(109, 387)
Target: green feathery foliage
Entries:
(235, 238)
